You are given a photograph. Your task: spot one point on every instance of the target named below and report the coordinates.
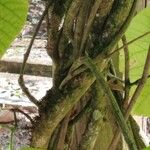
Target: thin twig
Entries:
(115, 77)
(60, 140)
(5, 123)
(22, 112)
(15, 118)
(112, 68)
(26, 55)
(70, 136)
(11, 144)
(76, 136)
(70, 17)
(137, 81)
(79, 27)
(89, 24)
(81, 113)
(127, 67)
(130, 42)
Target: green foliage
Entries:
(142, 106)
(138, 52)
(12, 18)
(148, 148)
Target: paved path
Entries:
(10, 92)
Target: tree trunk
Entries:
(76, 113)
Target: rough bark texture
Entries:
(78, 27)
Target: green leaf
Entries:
(147, 148)
(12, 18)
(138, 52)
(142, 106)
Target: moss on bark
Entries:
(66, 46)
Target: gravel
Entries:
(21, 137)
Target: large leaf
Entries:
(138, 51)
(12, 18)
(142, 106)
(147, 148)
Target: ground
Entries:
(11, 95)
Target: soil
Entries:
(21, 137)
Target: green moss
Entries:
(97, 115)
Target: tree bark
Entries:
(73, 82)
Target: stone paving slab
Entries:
(30, 68)
(11, 93)
(24, 42)
(37, 55)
